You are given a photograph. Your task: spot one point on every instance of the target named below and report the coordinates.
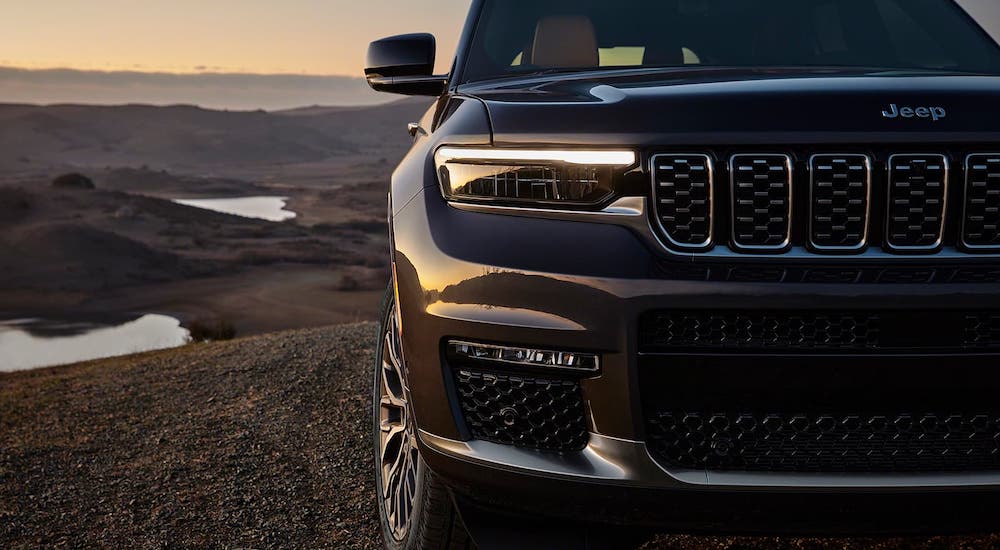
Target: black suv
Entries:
(699, 265)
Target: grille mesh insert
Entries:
(839, 202)
(762, 201)
(982, 202)
(917, 191)
(836, 442)
(671, 331)
(982, 330)
(536, 413)
(682, 189)
(666, 330)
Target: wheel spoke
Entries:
(393, 394)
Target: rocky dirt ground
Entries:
(254, 443)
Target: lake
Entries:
(263, 208)
(33, 343)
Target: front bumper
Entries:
(615, 482)
(573, 285)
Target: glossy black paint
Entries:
(404, 64)
(402, 55)
(503, 277)
(710, 107)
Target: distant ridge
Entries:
(194, 140)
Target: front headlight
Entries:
(559, 178)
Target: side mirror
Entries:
(404, 64)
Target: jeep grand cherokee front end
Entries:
(700, 265)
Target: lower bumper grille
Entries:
(536, 413)
(777, 442)
(758, 330)
(818, 331)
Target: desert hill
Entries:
(192, 140)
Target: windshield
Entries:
(527, 36)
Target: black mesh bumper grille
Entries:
(682, 189)
(982, 330)
(758, 330)
(892, 442)
(841, 185)
(762, 201)
(535, 413)
(982, 202)
(824, 331)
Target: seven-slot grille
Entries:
(682, 193)
(981, 227)
(917, 199)
(761, 201)
(840, 194)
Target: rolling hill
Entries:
(192, 140)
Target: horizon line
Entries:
(84, 103)
(161, 72)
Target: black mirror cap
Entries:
(403, 55)
(404, 64)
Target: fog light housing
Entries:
(525, 356)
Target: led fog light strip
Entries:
(528, 357)
(591, 158)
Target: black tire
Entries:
(433, 522)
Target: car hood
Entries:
(740, 107)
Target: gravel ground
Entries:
(254, 443)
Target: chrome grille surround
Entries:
(917, 186)
(683, 198)
(981, 214)
(761, 201)
(904, 201)
(839, 201)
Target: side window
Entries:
(911, 41)
(690, 57)
(622, 56)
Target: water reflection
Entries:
(264, 208)
(33, 343)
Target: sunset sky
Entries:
(187, 51)
(315, 37)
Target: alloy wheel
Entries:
(397, 446)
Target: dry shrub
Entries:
(211, 330)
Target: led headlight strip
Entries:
(590, 158)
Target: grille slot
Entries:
(981, 224)
(682, 191)
(761, 202)
(918, 187)
(545, 414)
(840, 194)
(832, 442)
